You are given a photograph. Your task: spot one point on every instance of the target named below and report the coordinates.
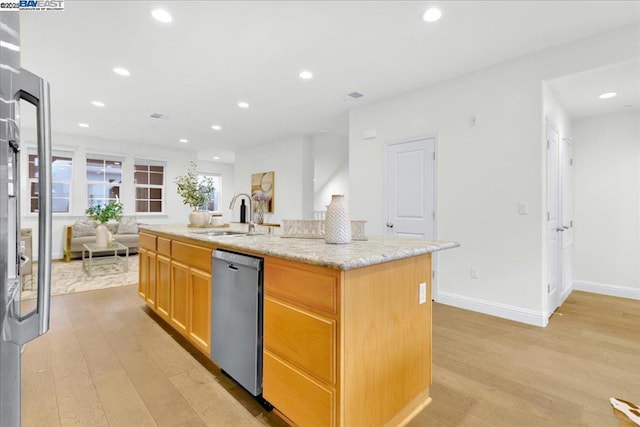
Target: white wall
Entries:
(331, 167)
(291, 161)
(552, 110)
(228, 187)
(483, 170)
(607, 199)
(177, 162)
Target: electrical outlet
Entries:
(475, 273)
(423, 293)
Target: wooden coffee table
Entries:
(89, 263)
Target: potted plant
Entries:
(195, 193)
(102, 214)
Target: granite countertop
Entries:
(356, 254)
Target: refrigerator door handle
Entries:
(24, 328)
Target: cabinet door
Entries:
(163, 286)
(143, 273)
(179, 312)
(299, 397)
(200, 309)
(151, 279)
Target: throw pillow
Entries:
(128, 225)
(84, 227)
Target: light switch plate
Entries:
(523, 208)
(423, 293)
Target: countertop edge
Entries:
(376, 250)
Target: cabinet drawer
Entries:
(300, 398)
(304, 338)
(310, 288)
(164, 246)
(147, 241)
(192, 255)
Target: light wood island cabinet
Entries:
(342, 347)
(178, 276)
(347, 348)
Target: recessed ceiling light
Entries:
(432, 15)
(83, 125)
(306, 74)
(97, 103)
(243, 104)
(216, 127)
(121, 71)
(161, 15)
(608, 95)
(216, 157)
(184, 141)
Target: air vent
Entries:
(355, 95)
(159, 116)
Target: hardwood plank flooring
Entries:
(494, 372)
(110, 361)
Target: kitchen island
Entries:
(347, 328)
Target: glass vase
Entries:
(259, 212)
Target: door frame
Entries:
(434, 255)
(550, 303)
(567, 240)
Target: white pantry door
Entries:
(553, 221)
(410, 192)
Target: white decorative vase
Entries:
(337, 226)
(198, 218)
(102, 236)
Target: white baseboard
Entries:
(517, 314)
(604, 289)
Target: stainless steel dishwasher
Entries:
(236, 318)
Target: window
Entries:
(61, 168)
(214, 198)
(148, 176)
(104, 177)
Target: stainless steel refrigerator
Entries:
(20, 322)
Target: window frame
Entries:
(104, 158)
(138, 161)
(55, 152)
(218, 193)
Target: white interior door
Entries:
(566, 215)
(410, 196)
(553, 219)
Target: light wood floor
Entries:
(108, 361)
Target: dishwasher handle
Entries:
(237, 259)
(232, 267)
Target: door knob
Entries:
(390, 225)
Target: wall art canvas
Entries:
(262, 190)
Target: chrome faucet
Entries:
(252, 226)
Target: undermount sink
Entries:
(217, 233)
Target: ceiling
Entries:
(195, 69)
(579, 93)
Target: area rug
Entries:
(70, 277)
